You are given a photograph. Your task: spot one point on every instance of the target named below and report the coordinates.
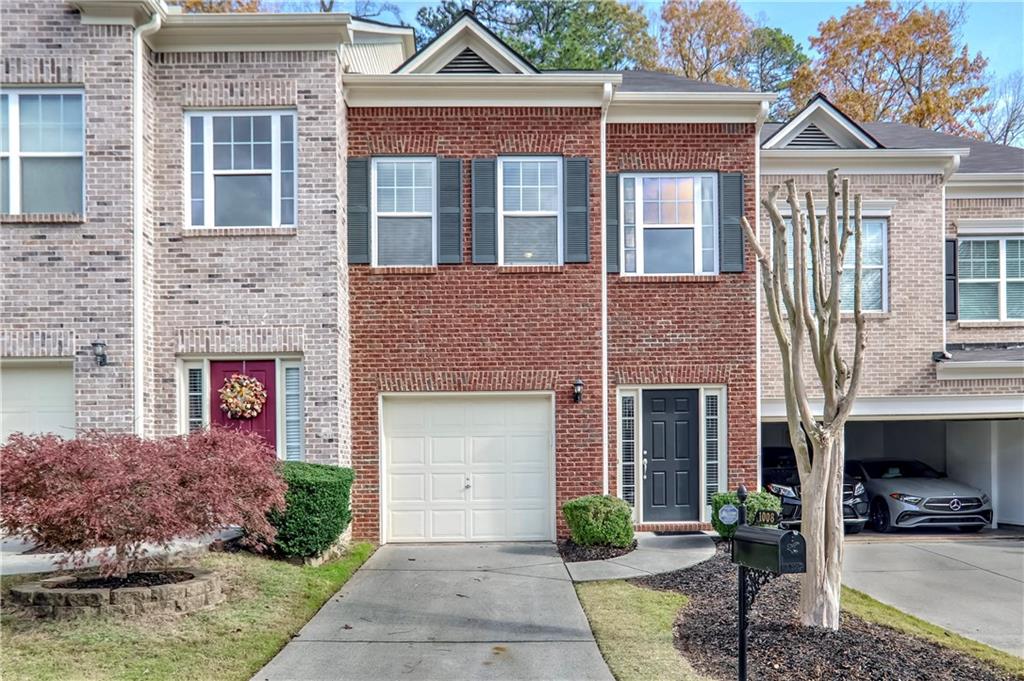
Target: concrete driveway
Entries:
(974, 588)
(450, 612)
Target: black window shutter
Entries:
(611, 218)
(730, 231)
(952, 311)
(449, 211)
(359, 211)
(576, 218)
(485, 214)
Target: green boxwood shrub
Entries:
(316, 511)
(756, 501)
(599, 521)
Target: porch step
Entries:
(687, 526)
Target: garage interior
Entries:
(987, 454)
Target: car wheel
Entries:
(970, 528)
(880, 521)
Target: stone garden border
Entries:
(47, 599)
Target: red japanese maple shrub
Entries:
(117, 492)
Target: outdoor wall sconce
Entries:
(577, 390)
(99, 351)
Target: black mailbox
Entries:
(766, 548)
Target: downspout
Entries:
(951, 167)
(606, 100)
(762, 115)
(138, 215)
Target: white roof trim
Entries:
(965, 371)
(830, 120)
(862, 161)
(466, 32)
(985, 186)
(924, 407)
(477, 89)
(984, 226)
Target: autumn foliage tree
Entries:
(705, 40)
(119, 493)
(218, 6)
(905, 63)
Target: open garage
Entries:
(986, 454)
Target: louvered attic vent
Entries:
(812, 137)
(468, 61)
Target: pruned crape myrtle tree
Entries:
(805, 307)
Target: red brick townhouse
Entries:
(943, 292)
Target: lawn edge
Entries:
(861, 605)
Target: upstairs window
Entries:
(404, 211)
(42, 166)
(670, 223)
(241, 169)
(530, 215)
(991, 273)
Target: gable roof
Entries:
(467, 32)
(829, 121)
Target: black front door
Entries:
(671, 453)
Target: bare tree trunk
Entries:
(822, 523)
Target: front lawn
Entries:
(267, 604)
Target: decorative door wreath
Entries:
(242, 397)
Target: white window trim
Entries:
(1001, 282)
(884, 266)
(280, 364)
(697, 227)
(374, 241)
(209, 199)
(557, 213)
(636, 391)
(14, 153)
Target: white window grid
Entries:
(209, 173)
(13, 152)
(375, 213)
(1001, 281)
(696, 225)
(502, 213)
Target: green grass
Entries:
(633, 628)
(867, 608)
(269, 601)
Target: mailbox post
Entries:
(761, 553)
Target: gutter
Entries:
(138, 215)
(606, 100)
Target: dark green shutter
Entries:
(359, 211)
(730, 231)
(485, 213)
(951, 280)
(611, 218)
(449, 211)
(577, 210)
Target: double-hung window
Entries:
(991, 275)
(874, 266)
(530, 215)
(404, 212)
(241, 168)
(42, 165)
(670, 223)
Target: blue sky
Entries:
(996, 29)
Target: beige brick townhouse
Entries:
(943, 292)
(486, 288)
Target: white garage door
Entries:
(37, 398)
(468, 468)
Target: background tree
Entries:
(219, 6)
(705, 40)
(805, 308)
(576, 34)
(1002, 122)
(907, 63)
(768, 63)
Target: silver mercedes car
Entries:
(907, 494)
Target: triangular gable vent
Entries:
(812, 137)
(468, 61)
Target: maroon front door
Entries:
(262, 370)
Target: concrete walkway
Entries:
(654, 554)
(449, 612)
(974, 588)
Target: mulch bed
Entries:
(574, 553)
(779, 649)
(132, 580)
